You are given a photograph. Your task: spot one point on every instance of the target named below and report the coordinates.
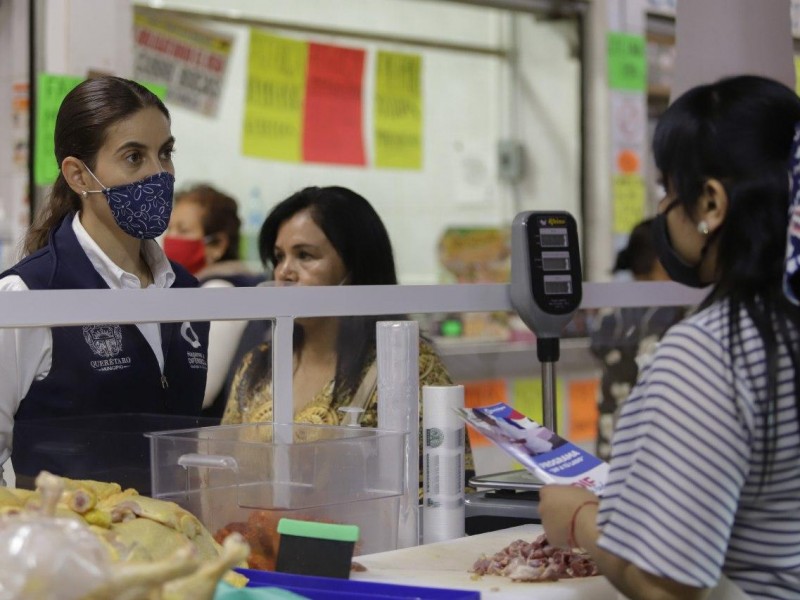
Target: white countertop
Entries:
(446, 564)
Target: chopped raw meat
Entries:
(535, 561)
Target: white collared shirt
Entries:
(26, 354)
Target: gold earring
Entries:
(702, 227)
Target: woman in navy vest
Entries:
(112, 197)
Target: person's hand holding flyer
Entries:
(550, 457)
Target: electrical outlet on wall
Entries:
(510, 160)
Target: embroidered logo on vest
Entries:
(197, 360)
(189, 335)
(104, 340)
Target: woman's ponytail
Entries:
(61, 202)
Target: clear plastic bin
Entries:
(224, 474)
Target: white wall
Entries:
(468, 108)
(548, 122)
(471, 102)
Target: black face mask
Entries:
(677, 269)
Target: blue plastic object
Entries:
(326, 588)
(228, 592)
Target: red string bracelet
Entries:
(571, 537)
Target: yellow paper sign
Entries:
(629, 200)
(276, 82)
(528, 400)
(797, 74)
(398, 111)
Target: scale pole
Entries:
(549, 396)
(548, 352)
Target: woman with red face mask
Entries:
(203, 237)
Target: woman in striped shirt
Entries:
(703, 496)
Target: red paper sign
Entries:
(332, 129)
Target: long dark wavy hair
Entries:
(360, 238)
(82, 123)
(739, 131)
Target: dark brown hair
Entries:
(220, 214)
(83, 120)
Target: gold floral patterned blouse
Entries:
(251, 402)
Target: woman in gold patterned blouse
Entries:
(325, 236)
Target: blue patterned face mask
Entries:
(142, 208)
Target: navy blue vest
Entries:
(105, 369)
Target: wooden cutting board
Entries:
(446, 564)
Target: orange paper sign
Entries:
(583, 410)
(483, 393)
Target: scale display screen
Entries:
(545, 269)
(555, 261)
(553, 237)
(557, 284)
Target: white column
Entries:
(718, 38)
(13, 127)
(79, 36)
(598, 252)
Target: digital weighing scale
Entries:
(546, 292)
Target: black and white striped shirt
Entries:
(682, 500)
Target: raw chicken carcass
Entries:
(144, 548)
(180, 576)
